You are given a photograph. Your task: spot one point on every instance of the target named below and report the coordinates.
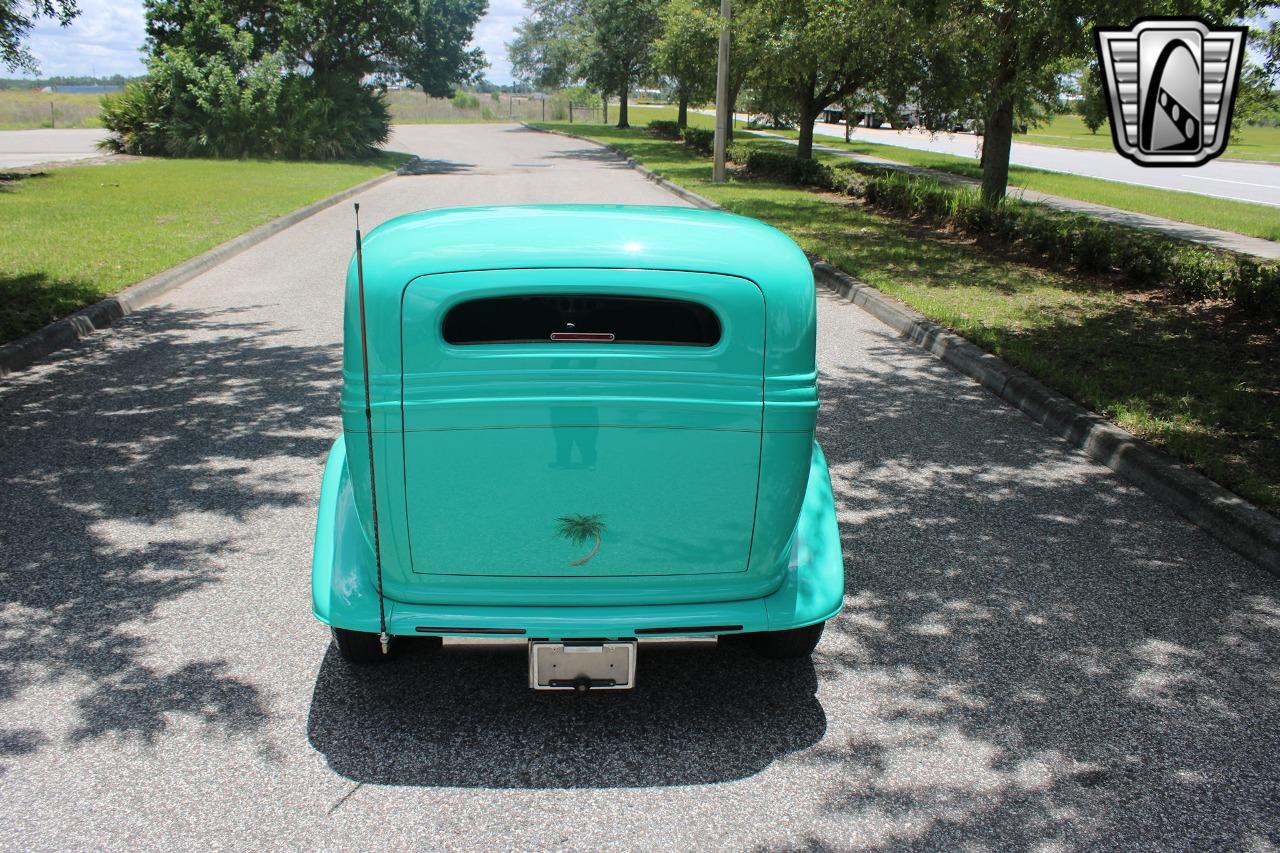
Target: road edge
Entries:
(1229, 518)
(1246, 529)
(25, 351)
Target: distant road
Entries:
(20, 148)
(1230, 179)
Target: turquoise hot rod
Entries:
(589, 425)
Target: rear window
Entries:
(582, 319)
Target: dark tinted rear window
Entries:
(557, 319)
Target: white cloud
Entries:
(495, 29)
(105, 39)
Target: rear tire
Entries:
(787, 645)
(363, 648)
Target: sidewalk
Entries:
(1213, 237)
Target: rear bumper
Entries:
(344, 596)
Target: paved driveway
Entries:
(1033, 654)
(20, 148)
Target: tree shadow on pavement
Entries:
(464, 716)
(596, 156)
(1042, 656)
(128, 466)
(424, 166)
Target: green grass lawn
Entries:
(1203, 382)
(24, 110)
(71, 236)
(1256, 220)
(1068, 131)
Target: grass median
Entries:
(73, 235)
(1201, 381)
(1069, 131)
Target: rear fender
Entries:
(341, 591)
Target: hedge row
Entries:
(699, 139)
(1190, 271)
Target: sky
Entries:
(105, 39)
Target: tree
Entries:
(1092, 105)
(686, 51)
(811, 53)
(620, 46)
(284, 78)
(437, 59)
(548, 48)
(17, 17)
(1255, 97)
(1000, 58)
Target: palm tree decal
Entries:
(579, 529)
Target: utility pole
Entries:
(722, 95)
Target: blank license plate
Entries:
(582, 666)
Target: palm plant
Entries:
(578, 529)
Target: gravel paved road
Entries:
(1033, 655)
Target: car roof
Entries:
(600, 236)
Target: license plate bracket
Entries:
(582, 665)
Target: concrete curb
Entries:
(1227, 517)
(27, 350)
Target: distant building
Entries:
(82, 90)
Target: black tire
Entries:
(363, 648)
(787, 645)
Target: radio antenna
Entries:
(384, 639)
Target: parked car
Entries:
(590, 425)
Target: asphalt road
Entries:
(1033, 655)
(19, 148)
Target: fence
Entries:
(24, 109)
(409, 107)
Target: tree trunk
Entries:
(604, 99)
(997, 137)
(808, 115)
(622, 106)
(997, 143)
(682, 118)
(733, 109)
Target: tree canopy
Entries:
(607, 44)
(685, 54)
(286, 78)
(17, 17)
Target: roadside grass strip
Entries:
(70, 236)
(1199, 379)
(1069, 131)
(1256, 220)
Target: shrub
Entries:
(787, 169)
(465, 101)
(665, 129)
(737, 152)
(227, 104)
(700, 139)
(1191, 272)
